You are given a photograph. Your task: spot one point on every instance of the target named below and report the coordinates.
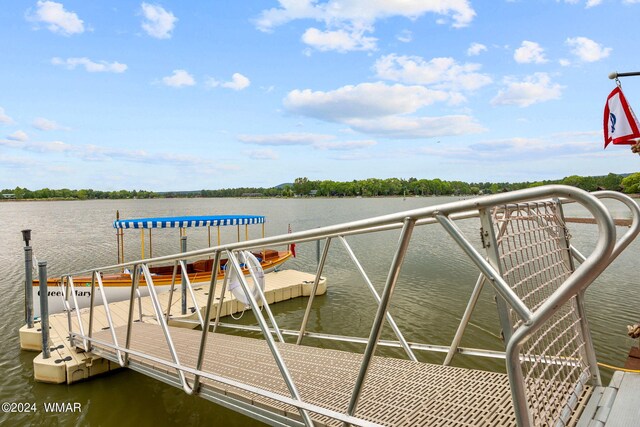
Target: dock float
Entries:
(66, 365)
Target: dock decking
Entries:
(397, 392)
(66, 365)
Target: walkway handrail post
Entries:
(173, 285)
(91, 304)
(385, 299)
(314, 289)
(286, 375)
(392, 323)
(135, 281)
(466, 317)
(165, 327)
(185, 278)
(77, 309)
(183, 305)
(28, 285)
(265, 305)
(207, 318)
(223, 291)
(107, 311)
(44, 309)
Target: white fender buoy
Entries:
(251, 263)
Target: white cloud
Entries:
(4, 118)
(285, 139)
(529, 52)
(564, 62)
(18, 136)
(442, 73)
(405, 36)
(587, 50)
(347, 21)
(590, 3)
(265, 154)
(417, 127)
(315, 140)
(532, 90)
(101, 153)
(342, 40)
(476, 49)
(47, 125)
(158, 22)
(178, 79)
(337, 12)
(346, 145)
(90, 66)
(381, 109)
(366, 100)
(237, 82)
(56, 18)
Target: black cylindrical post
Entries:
(28, 286)
(44, 308)
(183, 248)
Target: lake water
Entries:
(434, 287)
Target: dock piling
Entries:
(44, 309)
(183, 248)
(28, 279)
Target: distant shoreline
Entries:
(633, 196)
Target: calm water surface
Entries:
(434, 286)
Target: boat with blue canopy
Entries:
(117, 286)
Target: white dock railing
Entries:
(528, 261)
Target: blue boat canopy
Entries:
(189, 221)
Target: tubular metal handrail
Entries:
(183, 267)
(606, 249)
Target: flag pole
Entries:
(616, 74)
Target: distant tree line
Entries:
(371, 187)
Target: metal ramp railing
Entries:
(528, 262)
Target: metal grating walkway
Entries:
(397, 392)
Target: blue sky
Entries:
(206, 95)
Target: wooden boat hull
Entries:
(117, 286)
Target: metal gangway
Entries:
(538, 277)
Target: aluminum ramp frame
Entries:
(398, 392)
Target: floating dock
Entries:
(66, 365)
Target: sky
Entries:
(222, 94)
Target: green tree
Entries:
(631, 184)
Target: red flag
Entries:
(620, 123)
(292, 246)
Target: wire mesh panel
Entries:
(534, 259)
